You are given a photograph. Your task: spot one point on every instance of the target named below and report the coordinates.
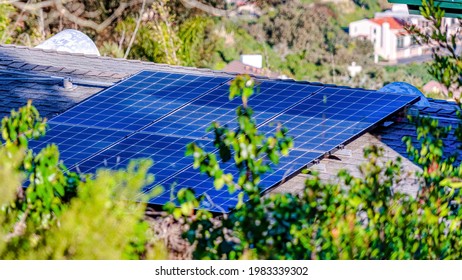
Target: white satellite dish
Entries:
(71, 41)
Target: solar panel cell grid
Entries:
(122, 110)
(167, 153)
(138, 101)
(317, 129)
(155, 115)
(193, 119)
(77, 143)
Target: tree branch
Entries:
(30, 7)
(75, 18)
(89, 23)
(132, 39)
(98, 27)
(204, 7)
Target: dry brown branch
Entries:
(29, 7)
(51, 17)
(84, 18)
(90, 23)
(204, 7)
(132, 39)
(92, 14)
(75, 17)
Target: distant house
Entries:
(390, 39)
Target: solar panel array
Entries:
(155, 115)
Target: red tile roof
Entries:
(394, 23)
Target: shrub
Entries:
(64, 215)
(360, 218)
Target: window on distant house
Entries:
(400, 42)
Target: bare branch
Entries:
(75, 17)
(84, 19)
(29, 7)
(89, 23)
(132, 39)
(204, 7)
(51, 17)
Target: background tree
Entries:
(446, 66)
(309, 45)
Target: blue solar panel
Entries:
(139, 100)
(167, 153)
(190, 123)
(155, 115)
(331, 117)
(121, 110)
(222, 200)
(77, 143)
(193, 119)
(319, 124)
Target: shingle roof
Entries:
(446, 114)
(80, 65)
(27, 73)
(24, 73)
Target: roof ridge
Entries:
(167, 66)
(135, 61)
(93, 56)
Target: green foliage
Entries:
(6, 14)
(196, 46)
(252, 154)
(446, 66)
(165, 39)
(102, 222)
(59, 215)
(361, 217)
(309, 28)
(359, 9)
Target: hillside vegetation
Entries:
(302, 39)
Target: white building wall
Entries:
(392, 47)
(360, 28)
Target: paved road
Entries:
(416, 59)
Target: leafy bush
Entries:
(446, 66)
(59, 215)
(6, 12)
(360, 218)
